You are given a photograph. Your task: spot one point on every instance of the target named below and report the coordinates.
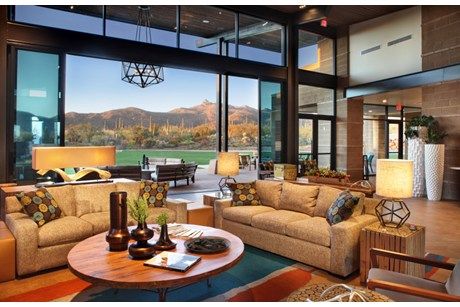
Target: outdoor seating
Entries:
(175, 172)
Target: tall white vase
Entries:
(434, 170)
(416, 153)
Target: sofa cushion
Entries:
(342, 208)
(130, 187)
(244, 214)
(65, 197)
(99, 220)
(244, 194)
(154, 192)
(300, 198)
(327, 195)
(12, 205)
(67, 229)
(315, 230)
(277, 220)
(92, 198)
(40, 205)
(269, 192)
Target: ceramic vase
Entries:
(164, 242)
(434, 170)
(416, 153)
(142, 249)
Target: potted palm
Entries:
(434, 160)
(142, 249)
(164, 243)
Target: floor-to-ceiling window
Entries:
(271, 121)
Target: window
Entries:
(271, 121)
(82, 18)
(260, 40)
(316, 100)
(316, 53)
(122, 20)
(207, 29)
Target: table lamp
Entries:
(394, 182)
(57, 158)
(228, 164)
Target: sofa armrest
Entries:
(345, 243)
(25, 232)
(219, 206)
(180, 207)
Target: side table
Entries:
(402, 240)
(210, 198)
(7, 254)
(200, 214)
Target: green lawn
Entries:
(132, 156)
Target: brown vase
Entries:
(142, 249)
(164, 242)
(118, 235)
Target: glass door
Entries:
(37, 107)
(305, 139)
(394, 140)
(316, 139)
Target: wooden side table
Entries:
(200, 214)
(210, 198)
(7, 254)
(402, 240)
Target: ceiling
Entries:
(411, 97)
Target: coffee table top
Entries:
(92, 261)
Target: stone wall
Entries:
(441, 47)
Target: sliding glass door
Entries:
(37, 112)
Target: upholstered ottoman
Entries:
(7, 254)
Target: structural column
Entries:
(3, 96)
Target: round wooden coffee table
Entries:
(92, 261)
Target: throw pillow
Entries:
(244, 194)
(154, 192)
(40, 206)
(342, 208)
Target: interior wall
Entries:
(440, 47)
(373, 56)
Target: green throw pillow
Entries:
(342, 208)
(40, 206)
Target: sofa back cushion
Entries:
(12, 205)
(327, 195)
(269, 192)
(93, 197)
(130, 187)
(370, 204)
(298, 197)
(65, 197)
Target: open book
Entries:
(173, 261)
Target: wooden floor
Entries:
(442, 237)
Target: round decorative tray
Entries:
(207, 245)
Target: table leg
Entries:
(162, 294)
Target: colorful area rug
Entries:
(260, 276)
(437, 274)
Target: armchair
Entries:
(406, 288)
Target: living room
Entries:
(227, 152)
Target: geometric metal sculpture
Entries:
(392, 213)
(142, 74)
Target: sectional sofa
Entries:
(85, 210)
(291, 222)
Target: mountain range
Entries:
(189, 117)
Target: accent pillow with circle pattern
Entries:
(342, 208)
(154, 192)
(40, 205)
(244, 194)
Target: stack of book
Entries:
(178, 230)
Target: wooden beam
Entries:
(261, 12)
(110, 48)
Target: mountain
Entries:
(190, 117)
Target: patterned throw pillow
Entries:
(244, 194)
(40, 206)
(154, 192)
(342, 208)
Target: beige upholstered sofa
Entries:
(291, 222)
(85, 212)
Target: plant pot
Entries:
(434, 170)
(416, 153)
(142, 249)
(164, 242)
(118, 235)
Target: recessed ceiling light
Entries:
(71, 7)
(264, 24)
(384, 101)
(220, 13)
(248, 43)
(302, 6)
(205, 21)
(370, 111)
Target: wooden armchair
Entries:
(401, 287)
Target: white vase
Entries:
(434, 170)
(415, 152)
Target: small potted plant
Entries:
(164, 243)
(142, 249)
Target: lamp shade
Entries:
(394, 178)
(62, 157)
(228, 163)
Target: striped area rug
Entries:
(260, 276)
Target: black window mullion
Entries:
(178, 26)
(237, 34)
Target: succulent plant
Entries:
(162, 219)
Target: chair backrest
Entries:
(156, 161)
(174, 161)
(189, 169)
(453, 283)
(125, 171)
(167, 171)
